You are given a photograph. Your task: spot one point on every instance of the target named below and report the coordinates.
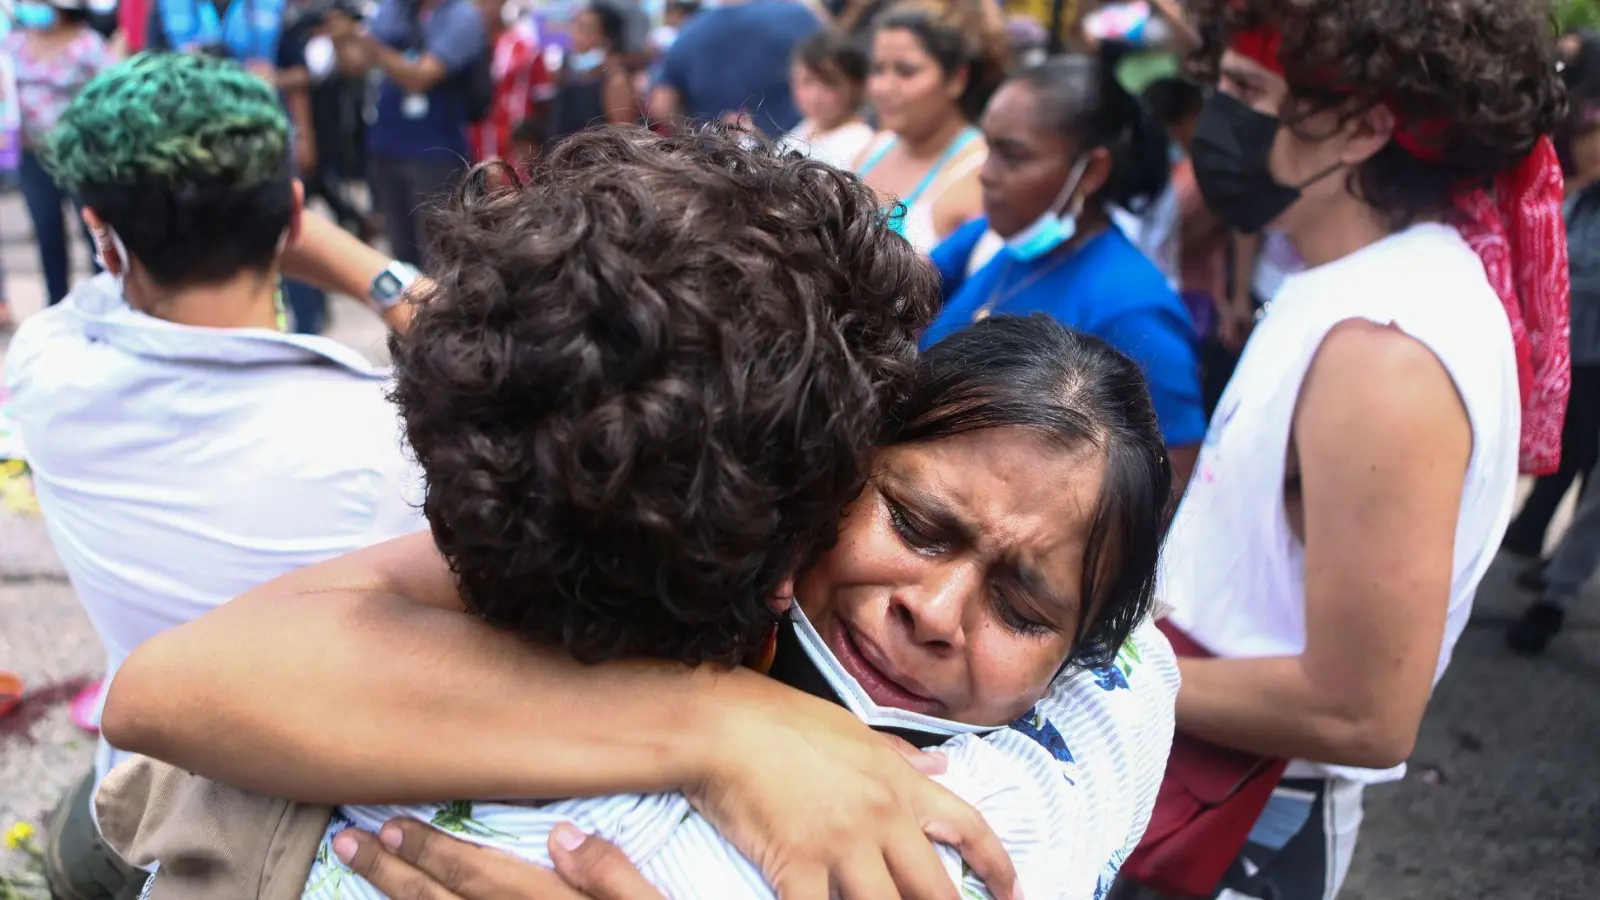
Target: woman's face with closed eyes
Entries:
(953, 590)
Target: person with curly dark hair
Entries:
(624, 409)
(664, 399)
(1362, 464)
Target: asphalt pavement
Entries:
(1502, 801)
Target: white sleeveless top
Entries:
(1233, 571)
(1068, 788)
(959, 162)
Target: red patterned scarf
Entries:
(1517, 230)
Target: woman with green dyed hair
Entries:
(182, 162)
(182, 165)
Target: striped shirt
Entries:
(1068, 788)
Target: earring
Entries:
(102, 243)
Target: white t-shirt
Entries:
(839, 147)
(1232, 570)
(1275, 261)
(179, 467)
(1068, 788)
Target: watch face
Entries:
(387, 286)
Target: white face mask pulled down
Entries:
(1057, 225)
(851, 694)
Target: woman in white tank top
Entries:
(1360, 469)
(930, 78)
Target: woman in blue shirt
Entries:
(1065, 142)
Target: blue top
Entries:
(432, 126)
(737, 57)
(249, 29)
(1106, 288)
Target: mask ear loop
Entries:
(1317, 177)
(1074, 179)
(1314, 178)
(107, 235)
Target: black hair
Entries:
(646, 380)
(1075, 390)
(1581, 73)
(534, 130)
(833, 55)
(685, 8)
(74, 16)
(1082, 99)
(613, 27)
(955, 36)
(1174, 100)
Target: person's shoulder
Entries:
(952, 255)
(792, 14)
(1127, 712)
(86, 47)
(1119, 279)
(319, 419)
(524, 41)
(707, 25)
(1427, 281)
(461, 14)
(1116, 246)
(767, 16)
(976, 145)
(1080, 770)
(1142, 676)
(41, 342)
(1027, 790)
(968, 234)
(1393, 366)
(1420, 261)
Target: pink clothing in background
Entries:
(47, 83)
(132, 18)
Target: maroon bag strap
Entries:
(1210, 799)
(1182, 644)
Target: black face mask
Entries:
(1232, 143)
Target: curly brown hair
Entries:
(1484, 70)
(646, 381)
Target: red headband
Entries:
(1518, 231)
(1264, 45)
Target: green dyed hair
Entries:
(171, 118)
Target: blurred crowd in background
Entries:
(391, 101)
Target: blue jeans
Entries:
(309, 306)
(45, 201)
